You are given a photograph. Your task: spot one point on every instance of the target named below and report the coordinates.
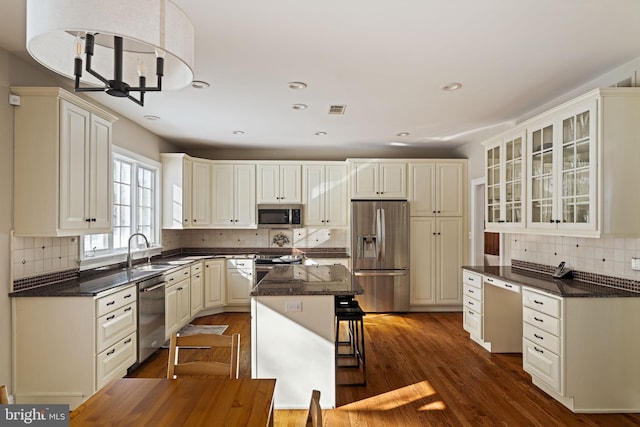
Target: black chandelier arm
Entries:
(140, 101)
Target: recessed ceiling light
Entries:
(238, 132)
(321, 133)
(403, 134)
(399, 144)
(152, 118)
(199, 84)
(452, 86)
(299, 106)
(297, 85)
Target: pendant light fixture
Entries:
(107, 45)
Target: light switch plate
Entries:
(635, 263)
(292, 306)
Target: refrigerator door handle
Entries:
(383, 236)
(379, 236)
(380, 273)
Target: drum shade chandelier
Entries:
(118, 39)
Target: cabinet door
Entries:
(245, 195)
(268, 183)
(423, 256)
(101, 173)
(183, 302)
(314, 194)
(541, 208)
(449, 189)
(239, 284)
(171, 310)
(197, 293)
(449, 255)
(493, 187)
(201, 194)
(74, 166)
(336, 198)
(214, 283)
(290, 184)
(422, 197)
(222, 195)
(364, 180)
(393, 180)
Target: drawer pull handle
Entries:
(538, 302)
(537, 320)
(113, 316)
(470, 279)
(127, 296)
(538, 336)
(469, 302)
(538, 350)
(111, 303)
(128, 341)
(508, 286)
(127, 309)
(471, 291)
(490, 280)
(471, 312)
(110, 352)
(180, 288)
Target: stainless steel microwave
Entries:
(279, 216)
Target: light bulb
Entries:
(78, 46)
(142, 69)
(160, 52)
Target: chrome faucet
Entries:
(129, 260)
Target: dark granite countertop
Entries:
(545, 282)
(285, 280)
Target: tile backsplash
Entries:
(32, 256)
(607, 255)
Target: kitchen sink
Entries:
(153, 267)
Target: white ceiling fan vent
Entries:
(337, 109)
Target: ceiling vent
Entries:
(337, 109)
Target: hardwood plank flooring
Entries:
(422, 369)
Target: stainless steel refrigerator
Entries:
(380, 253)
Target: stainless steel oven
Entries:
(264, 263)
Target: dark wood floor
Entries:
(423, 370)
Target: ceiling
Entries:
(386, 60)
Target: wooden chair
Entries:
(228, 368)
(314, 416)
(4, 396)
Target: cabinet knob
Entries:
(195, 220)
(88, 220)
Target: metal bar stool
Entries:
(348, 310)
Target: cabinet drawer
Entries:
(473, 304)
(196, 268)
(114, 326)
(472, 279)
(541, 363)
(540, 337)
(114, 361)
(472, 292)
(116, 300)
(177, 275)
(541, 302)
(472, 322)
(541, 321)
(502, 284)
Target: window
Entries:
(135, 206)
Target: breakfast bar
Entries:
(292, 330)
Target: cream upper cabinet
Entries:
(436, 188)
(372, 179)
(201, 193)
(325, 194)
(505, 175)
(233, 195)
(279, 183)
(176, 190)
(70, 148)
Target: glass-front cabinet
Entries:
(504, 182)
(562, 175)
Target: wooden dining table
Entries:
(179, 402)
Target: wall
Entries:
(18, 72)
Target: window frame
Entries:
(111, 256)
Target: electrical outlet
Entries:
(293, 306)
(635, 263)
(14, 99)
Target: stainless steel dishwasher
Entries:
(151, 320)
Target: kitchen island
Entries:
(292, 331)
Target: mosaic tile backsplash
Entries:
(33, 256)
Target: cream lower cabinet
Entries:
(177, 300)
(62, 164)
(214, 283)
(239, 281)
(436, 260)
(473, 312)
(66, 349)
(196, 288)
